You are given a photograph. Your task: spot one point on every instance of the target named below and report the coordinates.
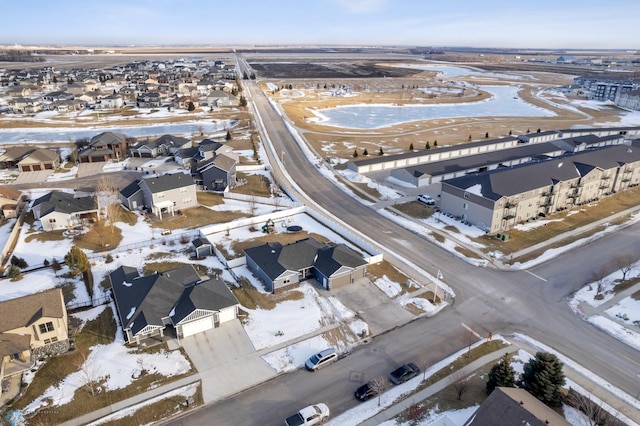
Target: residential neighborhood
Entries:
(381, 235)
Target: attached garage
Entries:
(197, 326)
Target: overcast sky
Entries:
(478, 23)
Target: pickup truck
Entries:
(311, 415)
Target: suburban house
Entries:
(104, 147)
(219, 98)
(281, 267)
(39, 159)
(162, 146)
(514, 406)
(13, 155)
(217, 174)
(148, 100)
(179, 300)
(10, 202)
(32, 327)
(167, 193)
(497, 200)
(112, 101)
(61, 210)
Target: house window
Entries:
(186, 200)
(52, 340)
(466, 195)
(465, 206)
(46, 327)
(52, 221)
(183, 189)
(161, 195)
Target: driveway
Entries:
(90, 169)
(226, 360)
(33, 177)
(372, 305)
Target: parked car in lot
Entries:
(321, 359)
(426, 200)
(404, 373)
(311, 415)
(367, 391)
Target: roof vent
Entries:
(521, 403)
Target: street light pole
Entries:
(438, 278)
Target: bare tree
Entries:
(594, 411)
(253, 205)
(89, 376)
(624, 262)
(378, 385)
(424, 364)
(114, 214)
(460, 383)
(599, 277)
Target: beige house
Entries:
(10, 202)
(498, 200)
(40, 159)
(32, 327)
(168, 194)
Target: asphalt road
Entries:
(529, 302)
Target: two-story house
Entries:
(32, 326)
(166, 194)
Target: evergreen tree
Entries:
(355, 153)
(510, 132)
(411, 146)
(543, 377)
(427, 146)
(19, 262)
(469, 138)
(538, 130)
(365, 152)
(191, 107)
(243, 101)
(14, 273)
(486, 135)
(381, 152)
(501, 374)
(77, 260)
(228, 136)
(435, 144)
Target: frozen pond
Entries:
(504, 102)
(43, 135)
(447, 71)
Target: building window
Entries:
(466, 195)
(52, 340)
(52, 221)
(465, 206)
(46, 327)
(183, 189)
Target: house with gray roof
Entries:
(177, 302)
(498, 200)
(169, 193)
(104, 147)
(281, 267)
(162, 146)
(59, 210)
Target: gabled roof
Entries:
(167, 182)
(107, 138)
(201, 241)
(212, 295)
(331, 258)
(146, 301)
(274, 258)
(63, 202)
(513, 406)
(170, 140)
(24, 311)
(40, 155)
(11, 344)
(10, 193)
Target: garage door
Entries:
(197, 326)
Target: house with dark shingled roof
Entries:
(178, 302)
(281, 267)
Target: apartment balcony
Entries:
(576, 185)
(604, 185)
(510, 205)
(605, 177)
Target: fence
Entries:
(163, 240)
(13, 238)
(274, 201)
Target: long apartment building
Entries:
(497, 200)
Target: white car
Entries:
(311, 415)
(321, 359)
(426, 199)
